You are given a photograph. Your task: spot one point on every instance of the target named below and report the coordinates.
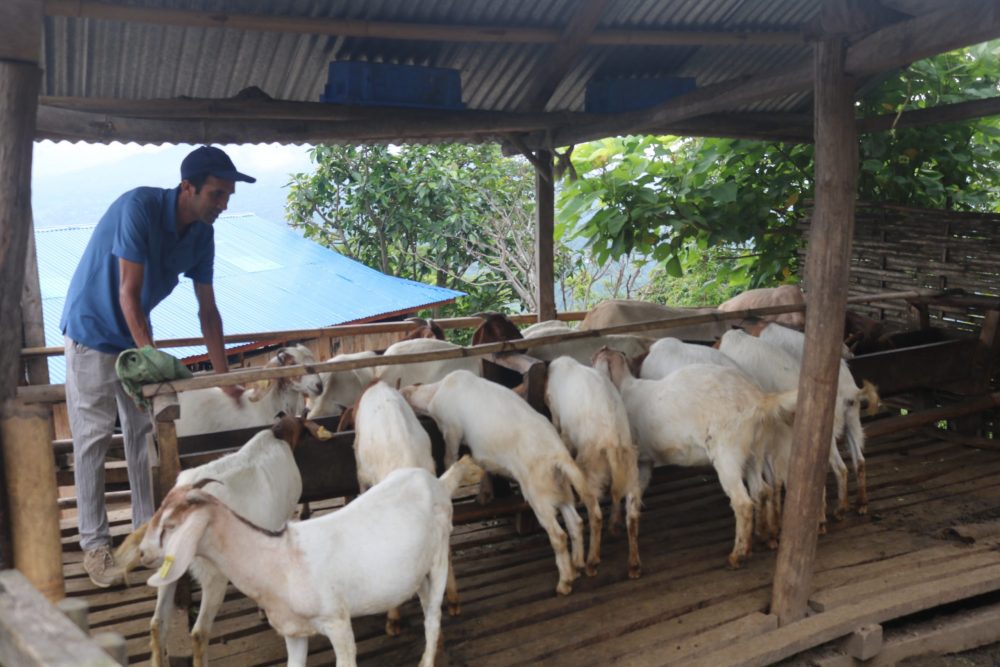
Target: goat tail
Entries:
(624, 468)
(127, 553)
(571, 471)
(465, 471)
(870, 393)
(781, 405)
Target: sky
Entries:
(73, 184)
(54, 159)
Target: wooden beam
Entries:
(559, 60)
(945, 113)
(313, 25)
(828, 269)
(544, 248)
(104, 119)
(960, 23)
(21, 31)
(33, 321)
(61, 124)
(31, 494)
(33, 633)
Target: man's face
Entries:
(211, 200)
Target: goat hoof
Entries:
(615, 529)
(393, 628)
(822, 529)
(772, 544)
(863, 509)
(454, 609)
(634, 571)
(591, 569)
(564, 588)
(735, 562)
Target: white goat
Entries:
(774, 369)
(614, 312)
(764, 297)
(850, 401)
(210, 410)
(313, 576)
(546, 328)
(388, 436)
(342, 388)
(705, 415)
(589, 414)
(498, 327)
(262, 480)
(507, 436)
(667, 355)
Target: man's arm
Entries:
(211, 329)
(130, 298)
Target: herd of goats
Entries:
(620, 405)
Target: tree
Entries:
(666, 200)
(453, 215)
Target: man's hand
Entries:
(233, 391)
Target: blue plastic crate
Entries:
(385, 84)
(618, 95)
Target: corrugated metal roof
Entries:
(267, 278)
(105, 58)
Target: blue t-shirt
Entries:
(141, 227)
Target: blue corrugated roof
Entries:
(267, 278)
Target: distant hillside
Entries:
(82, 197)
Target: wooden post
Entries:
(827, 265)
(544, 230)
(33, 322)
(32, 497)
(20, 78)
(166, 409)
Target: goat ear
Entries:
(284, 357)
(180, 549)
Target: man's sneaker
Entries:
(100, 566)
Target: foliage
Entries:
(450, 215)
(950, 165)
(700, 285)
(657, 197)
(667, 200)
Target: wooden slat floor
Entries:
(686, 608)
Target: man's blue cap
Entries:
(214, 162)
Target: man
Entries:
(145, 240)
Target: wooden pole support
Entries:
(30, 470)
(827, 268)
(165, 410)
(865, 642)
(544, 253)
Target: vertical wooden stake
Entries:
(544, 229)
(30, 468)
(827, 266)
(165, 410)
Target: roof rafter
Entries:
(555, 64)
(92, 9)
(892, 46)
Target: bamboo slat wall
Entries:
(897, 248)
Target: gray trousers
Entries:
(94, 397)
